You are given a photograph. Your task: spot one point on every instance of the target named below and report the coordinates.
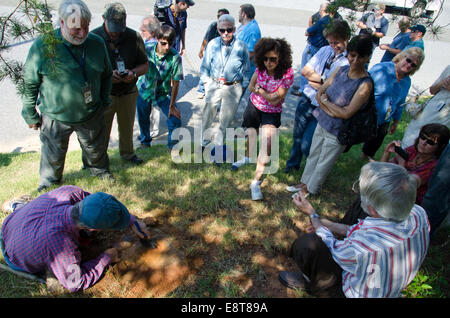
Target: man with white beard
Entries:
(72, 79)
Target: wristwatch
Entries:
(134, 73)
(314, 216)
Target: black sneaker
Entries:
(293, 280)
(136, 160)
(144, 146)
(290, 169)
(42, 188)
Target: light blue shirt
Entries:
(228, 61)
(249, 34)
(400, 41)
(390, 94)
(419, 43)
(324, 63)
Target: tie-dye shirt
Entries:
(271, 85)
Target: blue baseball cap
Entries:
(102, 211)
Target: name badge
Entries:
(121, 67)
(87, 93)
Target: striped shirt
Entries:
(380, 258)
(42, 235)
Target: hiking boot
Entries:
(240, 163)
(293, 280)
(11, 206)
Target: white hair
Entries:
(227, 18)
(69, 8)
(151, 23)
(389, 189)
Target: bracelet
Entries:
(314, 216)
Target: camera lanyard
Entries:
(81, 64)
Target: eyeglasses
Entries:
(429, 141)
(271, 59)
(411, 62)
(355, 186)
(229, 30)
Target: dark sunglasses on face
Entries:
(411, 62)
(429, 141)
(229, 30)
(271, 59)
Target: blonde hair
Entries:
(416, 52)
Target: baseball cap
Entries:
(102, 211)
(418, 27)
(115, 16)
(188, 2)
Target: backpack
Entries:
(362, 126)
(160, 7)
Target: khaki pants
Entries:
(228, 98)
(325, 151)
(125, 108)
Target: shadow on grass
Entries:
(214, 240)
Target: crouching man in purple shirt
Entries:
(44, 234)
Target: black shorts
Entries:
(255, 118)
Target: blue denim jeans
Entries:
(6, 258)
(144, 109)
(201, 87)
(307, 54)
(304, 125)
(436, 201)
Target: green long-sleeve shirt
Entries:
(59, 81)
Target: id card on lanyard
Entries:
(222, 79)
(86, 90)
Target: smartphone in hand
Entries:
(402, 153)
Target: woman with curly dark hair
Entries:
(269, 85)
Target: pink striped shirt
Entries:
(380, 258)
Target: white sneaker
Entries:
(240, 163)
(255, 187)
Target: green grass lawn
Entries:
(236, 246)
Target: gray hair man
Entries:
(149, 28)
(73, 86)
(224, 72)
(379, 256)
(129, 61)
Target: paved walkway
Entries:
(276, 19)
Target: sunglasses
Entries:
(411, 62)
(271, 59)
(429, 141)
(229, 30)
(164, 43)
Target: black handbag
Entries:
(362, 126)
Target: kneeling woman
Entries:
(339, 98)
(269, 85)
